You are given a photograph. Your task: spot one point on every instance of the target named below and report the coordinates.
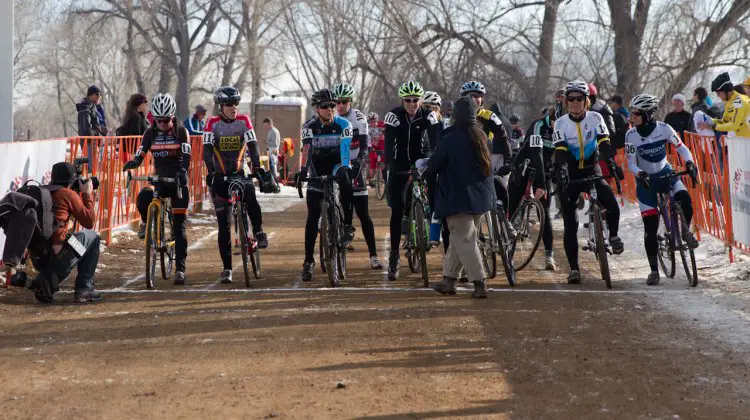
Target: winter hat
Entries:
(63, 173)
(92, 90)
(464, 110)
(680, 97)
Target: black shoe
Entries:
(653, 278)
(574, 277)
(85, 296)
(446, 287)
(142, 231)
(19, 279)
(348, 234)
(44, 298)
(307, 270)
(262, 239)
(226, 277)
(180, 278)
(690, 239)
(617, 246)
(480, 289)
(394, 264)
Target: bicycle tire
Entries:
(167, 254)
(255, 261)
(601, 248)
(150, 242)
(666, 247)
(421, 242)
(485, 240)
(241, 231)
(527, 235)
(412, 256)
(506, 248)
(692, 276)
(379, 183)
(327, 245)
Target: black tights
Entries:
(179, 214)
(651, 227)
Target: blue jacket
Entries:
(195, 126)
(461, 187)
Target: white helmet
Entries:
(432, 98)
(577, 86)
(645, 102)
(343, 91)
(472, 86)
(163, 106)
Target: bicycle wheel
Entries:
(328, 248)
(341, 252)
(601, 249)
(152, 234)
(666, 248)
(412, 254)
(528, 220)
(379, 182)
(240, 230)
(506, 246)
(167, 253)
(421, 236)
(485, 240)
(255, 260)
(691, 270)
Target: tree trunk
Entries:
(628, 31)
(544, 63)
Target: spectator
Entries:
(196, 124)
(88, 116)
(447, 113)
(272, 144)
(701, 112)
(102, 118)
(679, 119)
(84, 253)
(736, 109)
(134, 123)
(747, 84)
(464, 193)
(621, 117)
(601, 108)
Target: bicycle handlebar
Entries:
(156, 179)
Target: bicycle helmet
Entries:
(227, 94)
(432, 98)
(163, 106)
(372, 117)
(323, 96)
(343, 91)
(593, 91)
(722, 83)
(514, 119)
(410, 88)
(645, 102)
(472, 87)
(577, 86)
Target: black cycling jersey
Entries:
(170, 150)
(404, 136)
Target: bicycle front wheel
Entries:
(152, 236)
(421, 236)
(485, 240)
(379, 183)
(691, 270)
(328, 247)
(528, 220)
(241, 231)
(506, 245)
(666, 248)
(601, 248)
(167, 253)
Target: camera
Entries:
(78, 163)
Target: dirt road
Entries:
(375, 350)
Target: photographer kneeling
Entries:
(55, 259)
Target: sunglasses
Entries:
(343, 101)
(637, 113)
(327, 106)
(476, 95)
(162, 120)
(235, 103)
(575, 98)
(411, 100)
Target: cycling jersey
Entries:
(516, 138)
(360, 134)
(580, 139)
(170, 150)
(736, 119)
(226, 143)
(328, 145)
(537, 147)
(649, 153)
(404, 136)
(496, 132)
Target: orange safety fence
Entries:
(712, 210)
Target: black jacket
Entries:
(679, 121)
(462, 188)
(409, 139)
(88, 119)
(621, 128)
(606, 112)
(135, 125)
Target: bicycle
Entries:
(332, 247)
(380, 181)
(528, 221)
(416, 241)
(248, 246)
(502, 241)
(670, 235)
(157, 220)
(597, 241)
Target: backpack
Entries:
(28, 218)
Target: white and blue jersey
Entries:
(580, 139)
(649, 154)
(329, 145)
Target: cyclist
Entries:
(496, 132)
(227, 139)
(432, 102)
(736, 118)
(169, 143)
(580, 136)
(516, 135)
(326, 142)
(537, 146)
(646, 145)
(358, 200)
(405, 128)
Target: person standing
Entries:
(679, 119)
(134, 122)
(465, 192)
(621, 117)
(273, 143)
(196, 124)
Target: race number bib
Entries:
(630, 149)
(392, 120)
(535, 140)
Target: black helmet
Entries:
(514, 119)
(322, 96)
(226, 94)
(722, 83)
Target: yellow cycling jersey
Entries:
(736, 118)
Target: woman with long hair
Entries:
(465, 192)
(134, 121)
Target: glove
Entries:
(644, 178)
(614, 169)
(421, 165)
(563, 177)
(210, 179)
(342, 173)
(182, 179)
(692, 170)
(131, 164)
(505, 169)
